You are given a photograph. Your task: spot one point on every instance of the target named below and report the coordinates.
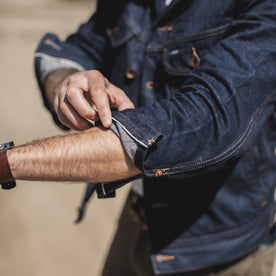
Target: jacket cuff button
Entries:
(158, 173)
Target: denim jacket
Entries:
(202, 75)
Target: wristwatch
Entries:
(6, 179)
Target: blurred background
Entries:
(37, 232)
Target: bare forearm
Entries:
(94, 155)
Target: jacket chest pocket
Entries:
(121, 33)
(182, 54)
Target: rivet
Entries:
(158, 173)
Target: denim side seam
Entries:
(143, 138)
(219, 158)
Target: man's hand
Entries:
(75, 95)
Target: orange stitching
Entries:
(53, 44)
(162, 258)
(151, 141)
(243, 137)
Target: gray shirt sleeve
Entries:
(130, 146)
(49, 64)
(129, 143)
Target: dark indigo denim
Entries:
(204, 86)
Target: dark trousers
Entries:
(129, 254)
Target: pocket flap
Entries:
(120, 33)
(183, 54)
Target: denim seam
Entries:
(186, 39)
(151, 48)
(200, 35)
(230, 233)
(184, 71)
(191, 269)
(225, 154)
(138, 33)
(129, 133)
(138, 131)
(170, 69)
(134, 128)
(114, 42)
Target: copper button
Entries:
(151, 85)
(158, 173)
(130, 73)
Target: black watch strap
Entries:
(6, 179)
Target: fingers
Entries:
(67, 114)
(75, 87)
(99, 97)
(70, 114)
(82, 90)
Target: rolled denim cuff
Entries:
(139, 131)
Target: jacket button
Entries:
(151, 85)
(130, 73)
(158, 173)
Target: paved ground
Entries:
(37, 233)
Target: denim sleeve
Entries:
(220, 108)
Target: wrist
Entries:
(6, 178)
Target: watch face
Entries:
(6, 145)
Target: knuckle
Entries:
(86, 114)
(62, 107)
(97, 91)
(95, 73)
(107, 83)
(71, 92)
(70, 79)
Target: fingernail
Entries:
(106, 121)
